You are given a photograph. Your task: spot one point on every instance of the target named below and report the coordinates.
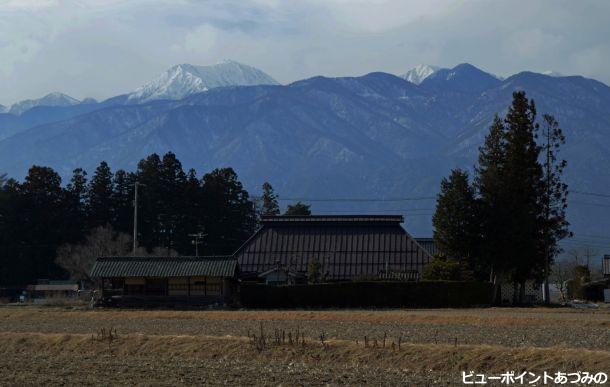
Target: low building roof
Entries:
(116, 267)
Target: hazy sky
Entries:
(101, 48)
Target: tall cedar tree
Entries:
(555, 199)
(523, 183)
(493, 203)
(76, 209)
(229, 214)
(150, 202)
(100, 196)
(298, 209)
(455, 219)
(173, 182)
(269, 199)
(122, 201)
(40, 225)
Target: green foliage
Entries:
(298, 209)
(455, 219)
(442, 269)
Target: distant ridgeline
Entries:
(377, 136)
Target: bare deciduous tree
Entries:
(103, 241)
(561, 273)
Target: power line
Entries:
(357, 199)
(588, 204)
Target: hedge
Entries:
(423, 294)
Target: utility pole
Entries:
(197, 240)
(135, 217)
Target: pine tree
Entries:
(555, 197)
(100, 196)
(269, 198)
(455, 219)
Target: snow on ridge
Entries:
(420, 72)
(51, 99)
(182, 80)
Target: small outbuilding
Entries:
(175, 281)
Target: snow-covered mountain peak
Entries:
(420, 72)
(552, 73)
(184, 79)
(51, 99)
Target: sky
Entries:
(102, 48)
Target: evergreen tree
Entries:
(555, 197)
(149, 202)
(75, 206)
(298, 209)
(269, 199)
(172, 206)
(523, 177)
(229, 214)
(455, 219)
(100, 196)
(122, 201)
(39, 226)
(492, 195)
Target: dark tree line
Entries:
(506, 224)
(39, 215)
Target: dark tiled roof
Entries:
(109, 267)
(348, 247)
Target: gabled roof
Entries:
(347, 246)
(112, 267)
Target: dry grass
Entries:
(49, 346)
(414, 357)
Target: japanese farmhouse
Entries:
(346, 247)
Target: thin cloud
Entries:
(106, 47)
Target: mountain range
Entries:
(378, 137)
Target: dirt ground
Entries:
(66, 346)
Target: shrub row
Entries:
(423, 294)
